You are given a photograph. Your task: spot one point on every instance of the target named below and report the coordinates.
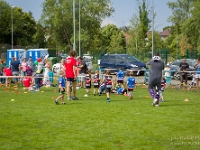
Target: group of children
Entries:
(100, 85)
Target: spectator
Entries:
(38, 79)
(31, 64)
(184, 66)
(15, 67)
(46, 72)
(70, 65)
(24, 65)
(82, 72)
(197, 76)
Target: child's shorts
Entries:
(130, 89)
(61, 92)
(120, 81)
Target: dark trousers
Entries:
(183, 77)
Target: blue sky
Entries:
(124, 10)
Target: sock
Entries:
(152, 93)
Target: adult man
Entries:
(157, 65)
(15, 67)
(83, 71)
(184, 66)
(70, 65)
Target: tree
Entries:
(58, 18)
(23, 25)
(140, 24)
(113, 39)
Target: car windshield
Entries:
(129, 58)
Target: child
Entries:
(96, 81)
(27, 82)
(108, 80)
(8, 72)
(61, 88)
(163, 83)
(88, 82)
(120, 76)
(121, 91)
(102, 88)
(38, 79)
(131, 84)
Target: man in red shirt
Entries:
(70, 65)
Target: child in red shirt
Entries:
(7, 71)
(27, 81)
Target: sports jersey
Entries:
(88, 80)
(61, 81)
(108, 81)
(163, 83)
(7, 71)
(131, 82)
(120, 75)
(198, 69)
(69, 64)
(27, 81)
(96, 80)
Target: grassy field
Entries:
(33, 121)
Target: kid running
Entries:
(87, 83)
(96, 81)
(61, 87)
(131, 84)
(108, 80)
(120, 76)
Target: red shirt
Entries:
(27, 82)
(8, 72)
(69, 64)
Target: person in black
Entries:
(184, 66)
(108, 80)
(83, 70)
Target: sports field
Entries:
(33, 121)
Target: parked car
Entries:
(124, 61)
(87, 56)
(174, 66)
(56, 67)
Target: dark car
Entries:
(174, 66)
(124, 61)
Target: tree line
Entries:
(55, 27)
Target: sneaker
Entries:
(94, 94)
(74, 98)
(108, 100)
(131, 97)
(163, 100)
(155, 102)
(63, 103)
(56, 102)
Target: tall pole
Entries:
(74, 45)
(153, 28)
(12, 25)
(79, 30)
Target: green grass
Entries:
(33, 121)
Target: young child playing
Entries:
(122, 90)
(108, 80)
(8, 72)
(163, 84)
(131, 84)
(120, 76)
(102, 88)
(27, 81)
(87, 82)
(96, 81)
(61, 88)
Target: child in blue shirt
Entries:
(131, 84)
(61, 88)
(120, 76)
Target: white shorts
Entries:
(81, 77)
(197, 76)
